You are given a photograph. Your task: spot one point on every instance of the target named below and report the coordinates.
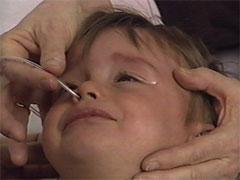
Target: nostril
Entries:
(93, 95)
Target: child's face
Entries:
(145, 117)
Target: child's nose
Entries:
(89, 90)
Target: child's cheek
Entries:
(51, 131)
(58, 110)
(55, 99)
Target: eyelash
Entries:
(130, 78)
(124, 74)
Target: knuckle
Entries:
(6, 39)
(44, 31)
(195, 156)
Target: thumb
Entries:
(204, 79)
(224, 89)
(53, 57)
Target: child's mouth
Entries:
(88, 113)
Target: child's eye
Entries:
(124, 76)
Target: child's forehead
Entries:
(115, 37)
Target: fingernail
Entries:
(152, 166)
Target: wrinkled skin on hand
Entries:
(44, 36)
(47, 36)
(213, 156)
(20, 88)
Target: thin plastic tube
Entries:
(62, 84)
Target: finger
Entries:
(18, 152)
(35, 155)
(12, 47)
(14, 69)
(22, 116)
(53, 49)
(213, 83)
(207, 80)
(9, 125)
(214, 169)
(198, 150)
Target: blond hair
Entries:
(174, 41)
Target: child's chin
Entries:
(82, 146)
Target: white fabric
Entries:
(148, 8)
(12, 12)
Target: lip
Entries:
(84, 113)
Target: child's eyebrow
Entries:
(132, 59)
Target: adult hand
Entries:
(36, 167)
(212, 156)
(44, 35)
(24, 85)
(41, 35)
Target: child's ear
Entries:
(198, 129)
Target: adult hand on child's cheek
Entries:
(212, 156)
(24, 85)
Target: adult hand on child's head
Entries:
(43, 34)
(48, 32)
(212, 156)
